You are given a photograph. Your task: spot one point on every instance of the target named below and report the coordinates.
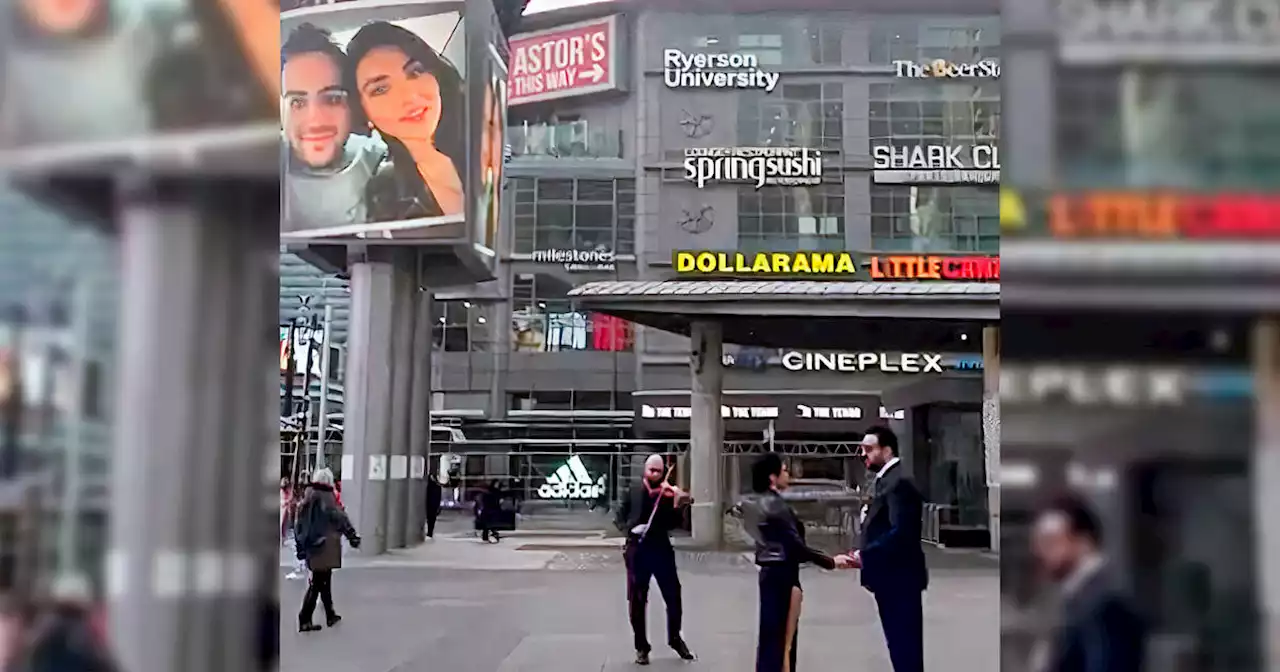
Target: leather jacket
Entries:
(778, 533)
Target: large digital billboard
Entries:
(89, 86)
(393, 115)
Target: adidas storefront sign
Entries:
(572, 481)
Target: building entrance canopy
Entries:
(805, 314)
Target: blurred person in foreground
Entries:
(67, 636)
(13, 628)
(1100, 630)
(780, 550)
(648, 512)
(321, 526)
(891, 556)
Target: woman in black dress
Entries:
(780, 550)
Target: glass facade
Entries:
(574, 214)
(795, 115)
(791, 218)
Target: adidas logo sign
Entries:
(572, 481)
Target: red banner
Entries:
(563, 62)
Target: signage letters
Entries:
(942, 69)
(576, 260)
(563, 62)
(956, 269)
(1241, 20)
(780, 166)
(572, 481)
(715, 71)
(936, 164)
(1123, 386)
(764, 263)
(856, 362)
(1163, 215)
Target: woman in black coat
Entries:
(320, 528)
(780, 550)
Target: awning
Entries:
(836, 315)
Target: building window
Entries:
(575, 214)
(924, 113)
(791, 218)
(826, 43)
(564, 138)
(463, 326)
(797, 115)
(766, 48)
(543, 319)
(934, 219)
(910, 39)
(1171, 128)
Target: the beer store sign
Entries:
(758, 166)
(942, 69)
(681, 70)
(936, 164)
(858, 362)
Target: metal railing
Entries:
(571, 140)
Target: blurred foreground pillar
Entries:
(991, 427)
(706, 432)
(192, 526)
(1266, 473)
(420, 417)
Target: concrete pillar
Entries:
(991, 427)
(367, 403)
(403, 321)
(194, 533)
(420, 417)
(706, 433)
(1266, 470)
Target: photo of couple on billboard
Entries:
(374, 114)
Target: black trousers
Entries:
(321, 587)
(433, 512)
(652, 559)
(776, 583)
(902, 617)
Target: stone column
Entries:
(403, 321)
(706, 433)
(367, 403)
(420, 418)
(991, 427)
(1266, 469)
(194, 526)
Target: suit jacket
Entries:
(637, 505)
(892, 558)
(1100, 632)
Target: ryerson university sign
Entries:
(777, 166)
(936, 164)
(715, 71)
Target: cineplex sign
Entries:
(960, 268)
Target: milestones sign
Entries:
(715, 71)
(777, 166)
(936, 164)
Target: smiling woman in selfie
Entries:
(413, 98)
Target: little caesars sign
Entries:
(715, 71)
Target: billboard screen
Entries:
(566, 61)
(392, 116)
(87, 86)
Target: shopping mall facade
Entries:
(599, 195)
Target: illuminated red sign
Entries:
(917, 267)
(1163, 215)
(565, 61)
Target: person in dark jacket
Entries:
(890, 555)
(1100, 630)
(64, 637)
(647, 513)
(780, 550)
(488, 512)
(321, 526)
(435, 493)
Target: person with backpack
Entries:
(321, 526)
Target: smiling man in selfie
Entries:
(328, 167)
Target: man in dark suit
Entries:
(1100, 630)
(435, 493)
(890, 555)
(649, 510)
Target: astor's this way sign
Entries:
(565, 61)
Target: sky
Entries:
(536, 6)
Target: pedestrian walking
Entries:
(780, 550)
(66, 637)
(321, 526)
(435, 493)
(297, 493)
(647, 514)
(489, 512)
